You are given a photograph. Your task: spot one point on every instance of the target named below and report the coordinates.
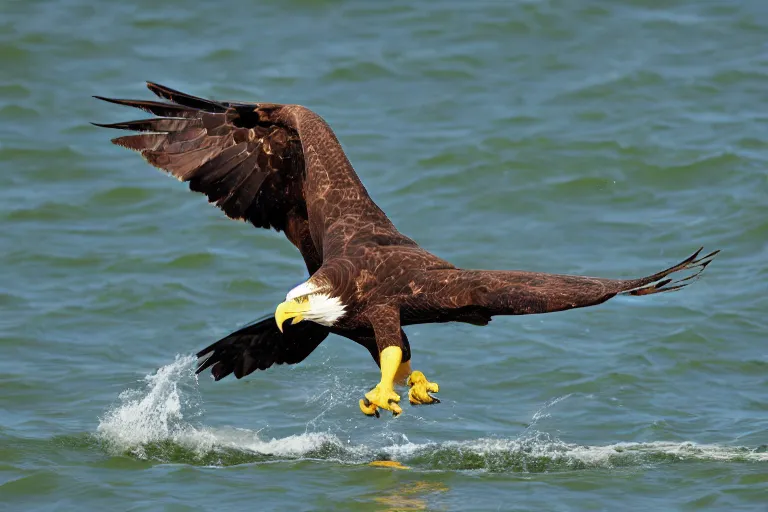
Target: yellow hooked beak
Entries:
(294, 309)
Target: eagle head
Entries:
(309, 301)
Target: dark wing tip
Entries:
(160, 90)
(259, 345)
(660, 283)
(108, 125)
(203, 358)
(130, 125)
(230, 354)
(185, 99)
(698, 252)
(158, 108)
(110, 100)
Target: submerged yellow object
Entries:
(388, 464)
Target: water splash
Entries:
(153, 414)
(542, 412)
(157, 422)
(160, 422)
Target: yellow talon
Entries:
(368, 408)
(419, 394)
(383, 396)
(380, 398)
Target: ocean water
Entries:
(608, 138)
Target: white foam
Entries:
(540, 447)
(156, 414)
(149, 415)
(166, 408)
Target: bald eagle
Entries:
(281, 167)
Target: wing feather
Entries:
(475, 296)
(246, 160)
(153, 107)
(161, 124)
(249, 160)
(186, 100)
(260, 345)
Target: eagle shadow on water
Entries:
(281, 167)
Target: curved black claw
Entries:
(369, 408)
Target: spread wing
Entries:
(260, 345)
(474, 296)
(247, 158)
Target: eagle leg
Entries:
(401, 377)
(419, 394)
(383, 396)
